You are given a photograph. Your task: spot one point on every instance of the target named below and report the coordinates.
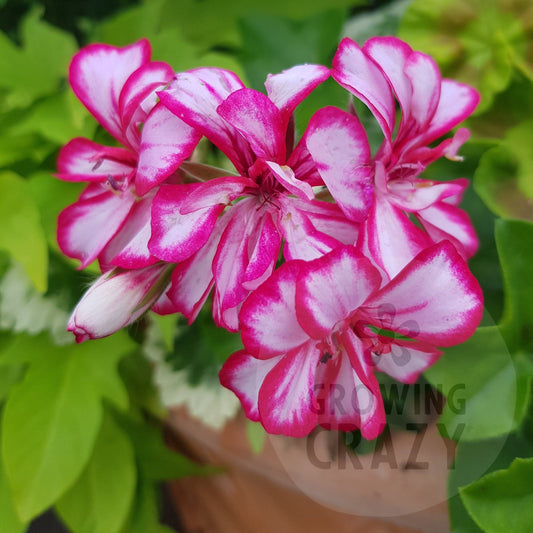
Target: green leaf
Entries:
(100, 500)
(37, 68)
(272, 44)
(10, 520)
(22, 234)
(52, 417)
(156, 461)
(514, 239)
(256, 436)
(502, 501)
(487, 396)
(472, 461)
(496, 181)
(9, 375)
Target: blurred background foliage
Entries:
(110, 395)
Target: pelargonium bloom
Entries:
(313, 337)
(227, 232)
(118, 298)
(383, 71)
(111, 220)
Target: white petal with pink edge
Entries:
(331, 288)
(287, 403)
(166, 141)
(97, 75)
(244, 375)
(338, 144)
(435, 298)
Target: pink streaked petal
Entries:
(264, 241)
(457, 102)
(194, 96)
(175, 236)
(258, 120)
(288, 88)
(417, 194)
(338, 144)
(85, 227)
(286, 177)
(359, 74)
(435, 298)
(192, 280)
(287, 404)
(221, 191)
(97, 75)
(346, 403)
(391, 55)
(139, 86)
(407, 360)
(448, 148)
(331, 288)
(391, 238)
(84, 160)
(302, 239)
(244, 375)
(129, 247)
(444, 221)
(303, 165)
(166, 141)
(426, 81)
(164, 306)
(268, 316)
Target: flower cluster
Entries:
(373, 275)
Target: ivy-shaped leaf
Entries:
(52, 417)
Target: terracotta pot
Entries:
(311, 485)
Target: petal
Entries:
(435, 298)
(176, 236)
(457, 102)
(139, 87)
(194, 96)
(84, 160)
(444, 221)
(337, 143)
(359, 74)
(244, 375)
(117, 299)
(85, 227)
(291, 86)
(97, 75)
(286, 177)
(271, 308)
(331, 288)
(129, 247)
(258, 120)
(346, 403)
(407, 360)
(417, 194)
(391, 238)
(166, 142)
(287, 404)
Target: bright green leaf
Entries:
(502, 501)
(9, 375)
(100, 500)
(11, 523)
(22, 234)
(52, 417)
(514, 239)
(37, 68)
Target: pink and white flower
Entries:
(313, 337)
(227, 232)
(111, 219)
(383, 71)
